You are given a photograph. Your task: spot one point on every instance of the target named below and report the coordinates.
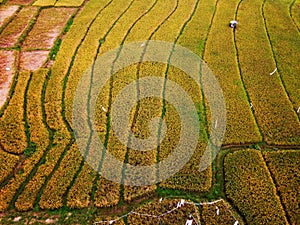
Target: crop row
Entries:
(8, 192)
(217, 213)
(53, 194)
(220, 55)
(118, 82)
(39, 136)
(113, 14)
(68, 48)
(66, 3)
(189, 178)
(250, 188)
(12, 127)
(284, 167)
(271, 105)
(144, 109)
(8, 162)
(285, 41)
(13, 31)
(35, 177)
(63, 160)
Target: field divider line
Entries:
(275, 59)
(63, 110)
(97, 178)
(276, 185)
(241, 74)
(93, 68)
(137, 108)
(28, 139)
(70, 143)
(51, 135)
(291, 15)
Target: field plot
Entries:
(53, 172)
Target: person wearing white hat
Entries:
(233, 23)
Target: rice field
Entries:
(46, 47)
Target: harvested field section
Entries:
(20, 2)
(47, 28)
(285, 41)
(250, 188)
(11, 34)
(284, 167)
(33, 60)
(6, 12)
(220, 56)
(271, 105)
(7, 72)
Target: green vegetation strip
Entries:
(284, 167)
(285, 42)
(250, 188)
(10, 35)
(220, 55)
(12, 126)
(270, 101)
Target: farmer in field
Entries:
(233, 23)
(189, 220)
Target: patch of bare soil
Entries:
(33, 60)
(10, 35)
(19, 2)
(6, 12)
(48, 27)
(7, 71)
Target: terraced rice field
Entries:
(46, 46)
